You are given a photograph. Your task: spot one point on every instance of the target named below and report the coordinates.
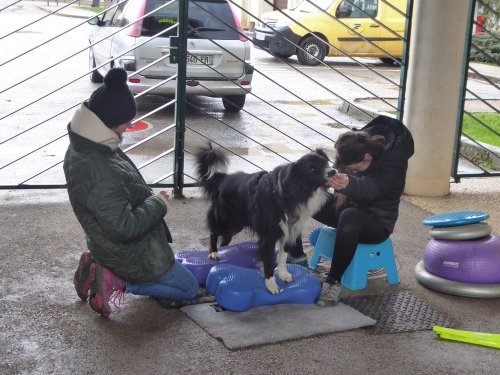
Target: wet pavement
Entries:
(46, 329)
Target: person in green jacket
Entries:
(122, 218)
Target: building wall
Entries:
(255, 9)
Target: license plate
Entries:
(200, 59)
(260, 36)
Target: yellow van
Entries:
(363, 28)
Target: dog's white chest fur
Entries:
(292, 231)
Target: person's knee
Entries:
(349, 220)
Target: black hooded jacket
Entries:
(379, 188)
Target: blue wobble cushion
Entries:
(450, 219)
(239, 289)
(313, 236)
(245, 254)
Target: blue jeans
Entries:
(177, 284)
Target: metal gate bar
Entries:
(488, 151)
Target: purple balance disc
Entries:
(475, 261)
(244, 254)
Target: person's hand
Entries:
(339, 181)
(163, 195)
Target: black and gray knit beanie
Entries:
(113, 102)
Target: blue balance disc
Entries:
(450, 219)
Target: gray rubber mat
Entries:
(399, 312)
(275, 323)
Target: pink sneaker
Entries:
(81, 280)
(105, 287)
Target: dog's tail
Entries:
(211, 167)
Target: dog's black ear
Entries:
(320, 151)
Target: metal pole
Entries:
(405, 58)
(180, 105)
(463, 88)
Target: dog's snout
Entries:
(331, 172)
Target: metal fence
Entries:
(290, 109)
(478, 129)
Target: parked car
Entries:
(218, 61)
(346, 25)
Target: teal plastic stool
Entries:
(367, 257)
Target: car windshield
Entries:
(208, 19)
(307, 6)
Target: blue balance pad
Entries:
(450, 219)
(239, 289)
(313, 236)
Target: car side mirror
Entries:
(96, 21)
(344, 10)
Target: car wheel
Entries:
(311, 46)
(282, 55)
(95, 76)
(387, 60)
(391, 61)
(233, 103)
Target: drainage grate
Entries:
(399, 312)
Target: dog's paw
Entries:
(286, 277)
(271, 286)
(213, 255)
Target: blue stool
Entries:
(367, 257)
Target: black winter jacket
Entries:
(379, 188)
(121, 217)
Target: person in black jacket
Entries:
(372, 164)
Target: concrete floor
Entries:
(46, 329)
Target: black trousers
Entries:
(354, 225)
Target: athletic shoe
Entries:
(301, 261)
(81, 280)
(330, 294)
(105, 287)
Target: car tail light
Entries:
(135, 29)
(238, 25)
(192, 83)
(245, 83)
(134, 80)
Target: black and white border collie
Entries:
(274, 205)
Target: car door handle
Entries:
(374, 25)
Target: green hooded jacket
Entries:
(121, 217)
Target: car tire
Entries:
(391, 61)
(282, 55)
(95, 76)
(311, 46)
(233, 103)
(387, 60)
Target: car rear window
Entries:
(208, 19)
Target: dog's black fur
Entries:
(273, 204)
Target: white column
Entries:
(437, 47)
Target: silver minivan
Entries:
(218, 61)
